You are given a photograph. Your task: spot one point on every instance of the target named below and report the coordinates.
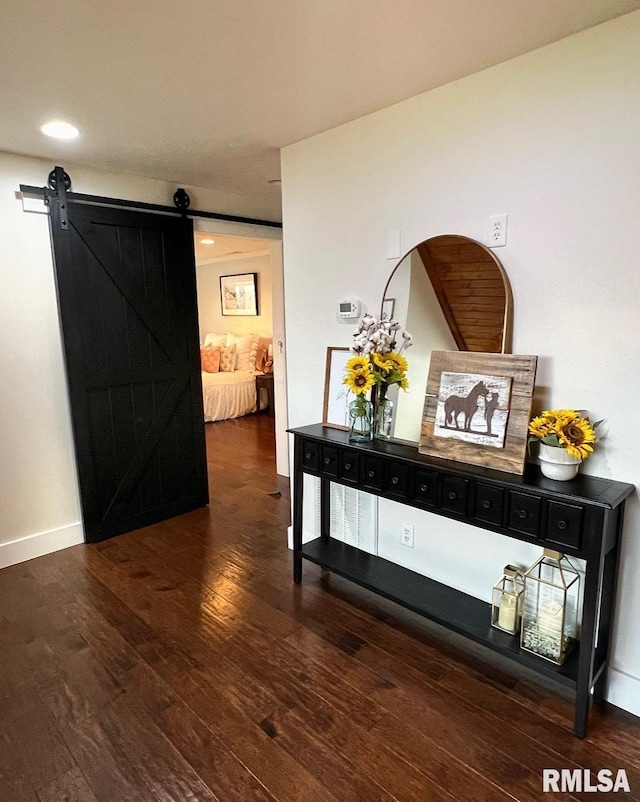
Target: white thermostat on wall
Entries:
(349, 309)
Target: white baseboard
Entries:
(623, 690)
(31, 546)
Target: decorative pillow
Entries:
(210, 358)
(228, 359)
(215, 339)
(246, 348)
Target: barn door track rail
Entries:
(60, 185)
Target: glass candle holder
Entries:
(506, 600)
(550, 610)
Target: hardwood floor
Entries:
(180, 663)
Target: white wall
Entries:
(210, 314)
(39, 504)
(551, 138)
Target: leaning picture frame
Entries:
(388, 308)
(335, 409)
(477, 408)
(239, 294)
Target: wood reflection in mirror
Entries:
(471, 287)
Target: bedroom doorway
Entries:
(240, 250)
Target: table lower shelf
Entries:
(453, 609)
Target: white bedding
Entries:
(228, 395)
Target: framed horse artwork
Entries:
(477, 408)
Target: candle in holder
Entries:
(506, 600)
(507, 617)
(550, 618)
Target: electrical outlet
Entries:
(407, 535)
(497, 230)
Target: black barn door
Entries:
(127, 301)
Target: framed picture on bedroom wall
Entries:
(239, 294)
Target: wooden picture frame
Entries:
(239, 294)
(336, 394)
(477, 408)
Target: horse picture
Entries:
(474, 408)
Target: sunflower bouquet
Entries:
(564, 428)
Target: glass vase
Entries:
(360, 420)
(383, 415)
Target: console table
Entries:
(582, 518)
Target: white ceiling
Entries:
(205, 92)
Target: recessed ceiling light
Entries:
(207, 241)
(59, 129)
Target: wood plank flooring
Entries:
(179, 663)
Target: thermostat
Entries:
(349, 309)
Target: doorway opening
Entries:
(242, 343)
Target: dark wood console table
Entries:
(582, 518)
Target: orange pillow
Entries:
(210, 358)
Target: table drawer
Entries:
(524, 513)
(329, 463)
(564, 524)
(455, 493)
(397, 483)
(348, 466)
(426, 488)
(373, 473)
(311, 455)
(489, 504)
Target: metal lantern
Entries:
(506, 600)
(550, 611)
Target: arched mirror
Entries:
(452, 294)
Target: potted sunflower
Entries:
(381, 343)
(566, 438)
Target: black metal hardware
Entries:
(562, 525)
(181, 198)
(453, 495)
(52, 179)
(522, 514)
(394, 480)
(60, 182)
(486, 504)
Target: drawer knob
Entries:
(327, 460)
(453, 495)
(424, 488)
(347, 466)
(394, 480)
(486, 504)
(371, 474)
(522, 514)
(307, 455)
(562, 525)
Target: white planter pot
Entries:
(556, 463)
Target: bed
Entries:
(228, 395)
(229, 374)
